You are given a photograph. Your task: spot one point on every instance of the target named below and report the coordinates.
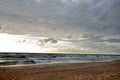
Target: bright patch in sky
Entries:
(19, 43)
(37, 0)
(76, 26)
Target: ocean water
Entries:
(31, 58)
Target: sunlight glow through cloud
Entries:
(19, 43)
(29, 44)
(14, 43)
(76, 26)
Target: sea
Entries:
(45, 58)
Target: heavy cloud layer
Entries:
(96, 20)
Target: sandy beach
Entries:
(63, 71)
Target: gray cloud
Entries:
(109, 19)
(100, 38)
(113, 40)
(61, 18)
(100, 17)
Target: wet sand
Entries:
(63, 71)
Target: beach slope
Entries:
(63, 71)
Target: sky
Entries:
(92, 26)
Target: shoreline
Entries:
(53, 63)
